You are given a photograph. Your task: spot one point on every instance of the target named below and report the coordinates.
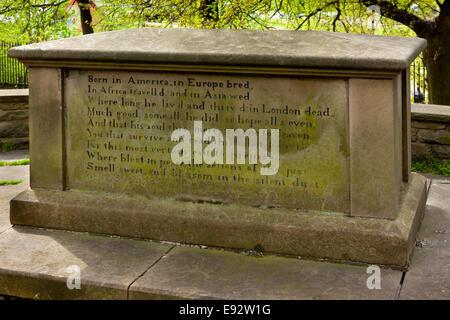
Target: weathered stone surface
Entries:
(414, 134)
(88, 91)
(336, 237)
(14, 172)
(428, 125)
(46, 141)
(12, 95)
(431, 127)
(15, 155)
(232, 47)
(373, 155)
(428, 276)
(21, 142)
(193, 273)
(7, 192)
(220, 274)
(430, 112)
(13, 115)
(120, 141)
(420, 150)
(13, 106)
(434, 136)
(34, 263)
(441, 151)
(14, 128)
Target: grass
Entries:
(430, 164)
(12, 163)
(5, 182)
(15, 163)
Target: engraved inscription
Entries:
(119, 127)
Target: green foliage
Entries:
(8, 146)
(35, 20)
(327, 15)
(430, 164)
(38, 20)
(236, 14)
(15, 163)
(10, 182)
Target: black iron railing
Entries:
(12, 72)
(419, 85)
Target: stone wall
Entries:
(14, 116)
(430, 131)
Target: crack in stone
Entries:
(146, 270)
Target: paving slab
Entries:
(15, 173)
(436, 177)
(429, 274)
(194, 273)
(34, 263)
(7, 192)
(15, 155)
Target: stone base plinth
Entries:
(317, 235)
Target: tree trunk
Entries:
(437, 61)
(437, 53)
(85, 16)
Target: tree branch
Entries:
(313, 13)
(20, 6)
(278, 8)
(391, 11)
(338, 15)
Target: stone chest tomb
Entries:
(105, 110)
